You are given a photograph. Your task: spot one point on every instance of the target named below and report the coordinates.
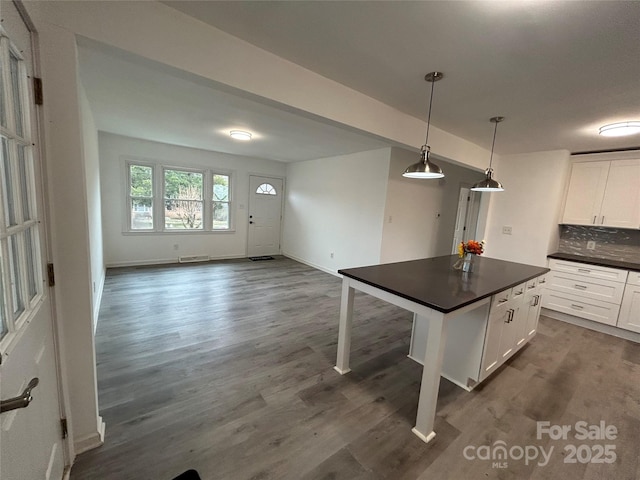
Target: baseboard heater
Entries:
(193, 258)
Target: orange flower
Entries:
(472, 246)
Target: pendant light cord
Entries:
(426, 140)
(493, 144)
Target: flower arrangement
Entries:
(472, 246)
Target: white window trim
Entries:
(158, 169)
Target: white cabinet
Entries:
(595, 293)
(482, 339)
(532, 305)
(499, 316)
(585, 193)
(621, 202)
(604, 193)
(629, 318)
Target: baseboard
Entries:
(317, 267)
(591, 325)
(166, 261)
(91, 441)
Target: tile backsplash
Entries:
(610, 243)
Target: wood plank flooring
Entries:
(226, 367)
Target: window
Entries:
(266, 189)
(163, 199)
(141, 197)
(183, 203)
(20, 266)
(220, 202)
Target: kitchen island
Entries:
(488, 315)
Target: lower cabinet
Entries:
(629, 318)
(481, 340)
(601, 294)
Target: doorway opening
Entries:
(467, 216)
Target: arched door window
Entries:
(266, 189)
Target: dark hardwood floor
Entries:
(226, 367)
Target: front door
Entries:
(265, 210)
(31, 444)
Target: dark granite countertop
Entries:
(603, 262)
(434, 283)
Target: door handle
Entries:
(21, 401)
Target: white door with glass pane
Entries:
(265, 216)
(31, 444)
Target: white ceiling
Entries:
(555, 70)
(136, 97)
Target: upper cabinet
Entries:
(604, 194)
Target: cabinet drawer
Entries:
(633, 278)
(542, 280)
(601, 312)
(594, 271)
(501, 299)
(518, 291)
(585, 286)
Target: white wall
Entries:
(94, 207)
(419, 217)
(145, 248)
(531, 204)
(336, 205)
(69, 205)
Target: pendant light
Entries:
(489, 184)
(425, 168)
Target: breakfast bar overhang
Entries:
(436, 293)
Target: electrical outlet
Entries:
(506, 230)
(591, 245)
(175, 246)
(331, 254)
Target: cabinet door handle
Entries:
(602, 221)
(594, 219)
(577, 307)
(536, 299)
(580, 287)
(584, 270)
(510, 312)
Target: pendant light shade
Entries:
(489, 184)
(425, 168)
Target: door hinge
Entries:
(51, 275)
(38, 97)
(468, 199)
(65, 428)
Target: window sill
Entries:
(176, 232)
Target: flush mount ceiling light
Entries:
(425, 168)
(620, 129)
(240, 135)
(489, 184)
